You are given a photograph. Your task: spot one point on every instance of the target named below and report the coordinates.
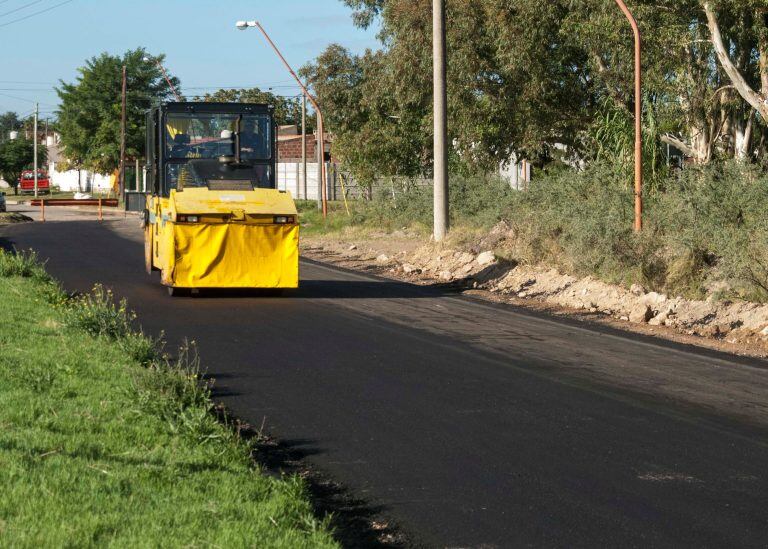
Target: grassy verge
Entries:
(105, 442)
(705, 229)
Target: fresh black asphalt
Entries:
(461, 445)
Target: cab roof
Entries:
(214, 107)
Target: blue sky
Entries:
(202, 46)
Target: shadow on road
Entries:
(331, 289)
(6, 244)
(355, 522)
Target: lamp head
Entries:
(242, 25)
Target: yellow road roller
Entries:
(214, 217)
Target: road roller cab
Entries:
(214, 218)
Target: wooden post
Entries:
(100, 213)
(42, 209)
(121, 183)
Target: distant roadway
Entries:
(470, 424)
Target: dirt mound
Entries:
(7, 218)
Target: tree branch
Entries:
(686, 149)
(759, 103)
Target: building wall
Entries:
(290, 178)
(289, 148)
(67, 181)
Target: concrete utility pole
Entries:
(34, 146)
(121, 183)
(441, 121)
(638, 117)
(304, 143)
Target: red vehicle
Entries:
(27, 182)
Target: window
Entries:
(212, 135)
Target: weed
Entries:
(24, 264)
(97, 314)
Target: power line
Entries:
(27, 100)
(21, 8)
(25, 81)
(36, 13)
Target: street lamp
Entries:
(638, 116)
(242, 25)
(165, 75)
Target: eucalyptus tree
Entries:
(526, 77)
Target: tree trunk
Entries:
(699, 148)
(742, 136)
(762, 49)
(758, 102)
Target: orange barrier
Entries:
(105, 202)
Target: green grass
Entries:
(312, 222)
(105, 443)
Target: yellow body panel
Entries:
(257, 201)
(236, 243)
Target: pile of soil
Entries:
(7, 218)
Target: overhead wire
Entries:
(36, 13)
(25, 82)
(25, 6)
(28, 100)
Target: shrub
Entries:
(25, 264)
(98, 314)
(705, 229)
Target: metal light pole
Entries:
(322, 183)
(34, 146)
(165, 75)
(638, 117)
(440, 120)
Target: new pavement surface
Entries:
(468, 424)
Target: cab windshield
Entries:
(209, 136)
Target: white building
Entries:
(73, 180)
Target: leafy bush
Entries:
(98, 314)
(23, 264)
(705, 228)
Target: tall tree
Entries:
(528, 77)
(90, 110)
(8, 121)
(17, 155)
